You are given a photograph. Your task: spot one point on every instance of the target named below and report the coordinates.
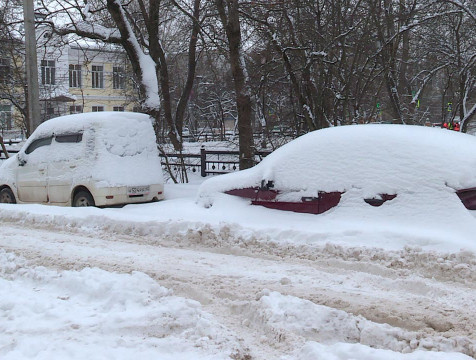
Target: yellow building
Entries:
(98, 80)
(83, 79)
(72, 79)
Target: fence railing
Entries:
(209, 161)
(8, 143)
(10, 153)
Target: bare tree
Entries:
(13, 86)
(138, 28)
(229, 12)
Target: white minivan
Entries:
(91, 159)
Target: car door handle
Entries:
(72, 166)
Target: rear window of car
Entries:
(69, 138)
(127, 141)
(38, 143)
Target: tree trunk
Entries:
(229, 16)
(130, 44)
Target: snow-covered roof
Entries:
(78, 122)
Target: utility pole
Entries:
(33, 95)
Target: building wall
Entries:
(58, 97)
(108, 97)
(73, 89)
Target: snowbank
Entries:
(334, 334)
(343, 351)
(95, 314)
(344, 231)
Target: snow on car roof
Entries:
(75, 122)
(78, 122)
(373, 158)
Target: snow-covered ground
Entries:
(176, 280)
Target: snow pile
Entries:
(335, 334)
(343, 351)
(96, 314)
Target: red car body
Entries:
(325, 201)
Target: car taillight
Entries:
(160, 193)
(110, 197)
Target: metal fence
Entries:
(8, 144)
(208, 161)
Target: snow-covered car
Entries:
(93, 159)
(379, 162)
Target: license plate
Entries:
(138, 190)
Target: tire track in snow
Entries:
(228, 278)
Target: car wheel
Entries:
(83, 198)
(7, 197)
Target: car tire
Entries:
(83, 198)
(7, 196)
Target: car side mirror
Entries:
(21, 160)
(266, 185)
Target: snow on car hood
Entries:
(7, 174)
(372, 158)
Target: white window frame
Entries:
(118, 108)
(118, 79)
(97, 76)
(75, 109)
(75, 80)
(6, 116)
(97, 108)
(5, 71)
(48, 72)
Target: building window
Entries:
(4, 71)
(75, 109)
(98, 77)
(118, 77)
(48, 72)
(97, 108)
(6, 117)
(74, 76)
(118, 108)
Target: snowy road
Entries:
(428, 300)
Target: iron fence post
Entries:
(203, 162)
